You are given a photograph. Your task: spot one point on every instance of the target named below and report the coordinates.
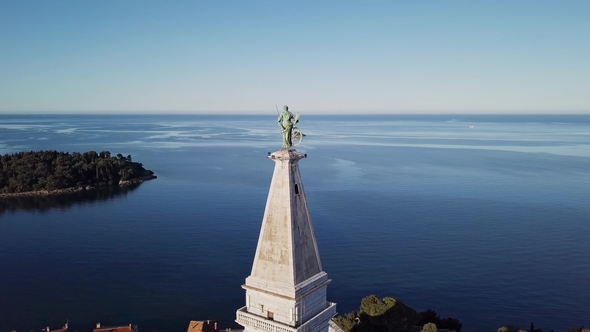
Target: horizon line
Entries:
(177, 112)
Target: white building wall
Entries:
(261, 303)
(313, 303)
(285, 310)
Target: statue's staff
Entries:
(279, 114)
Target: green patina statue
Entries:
(287, 123)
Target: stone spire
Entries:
(287, 252)
(286, 290)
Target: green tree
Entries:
(378, 315)
(430, 316)
(348, 321)
(510, 328)
(429, 327)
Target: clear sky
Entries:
(315, 56)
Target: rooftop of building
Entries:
(122, 328)
(206, 326)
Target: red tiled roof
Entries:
(124, 328)
(202, 326)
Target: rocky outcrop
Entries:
(146, 177)
(76, 189)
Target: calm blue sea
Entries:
(481, 218)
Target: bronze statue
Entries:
(287, 123)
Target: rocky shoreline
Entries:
(76, 189)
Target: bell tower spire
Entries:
(286, 289)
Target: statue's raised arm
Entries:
(287, 123)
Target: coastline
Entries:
(76, 189)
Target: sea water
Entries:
(482, 218)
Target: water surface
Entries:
(481, 218)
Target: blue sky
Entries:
(317, 56)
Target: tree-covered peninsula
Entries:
(53, 172)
